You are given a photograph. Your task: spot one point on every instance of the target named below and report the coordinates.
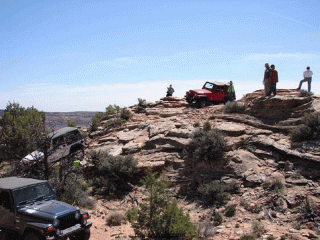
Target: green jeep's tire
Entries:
(84, 235)
(33, 236)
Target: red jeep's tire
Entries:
(201, 103)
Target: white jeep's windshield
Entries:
(33, 193)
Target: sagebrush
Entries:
(159, 217)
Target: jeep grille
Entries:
(67, 221)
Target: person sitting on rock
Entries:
(170, 91)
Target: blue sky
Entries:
(84, 55)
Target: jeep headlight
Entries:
(195, 94)
(77, 215)
(56, 222)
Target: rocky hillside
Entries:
(259, 151)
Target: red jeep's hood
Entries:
(201, 91)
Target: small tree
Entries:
(22, 131)
(160, 217)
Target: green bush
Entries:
(214, 193)
(205, 147)
(230, 210)
(21, 131)
(196, 124)
(217, 219)
(247, 237)
(71, 123)
(115, 219)
(309, 129)
(142, 104)
(271, 238)
(212, 117)
(125, 114)
(159, 217)
(305, 93)
(258, 229)
(110, 175)
(206, 126)
(72, 190)
(276, 186)
(234, 107)
(96, 121)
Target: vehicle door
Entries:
(218, 93)
(58, 148)
(7, 215)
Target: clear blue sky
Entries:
(59, 55)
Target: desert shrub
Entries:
(212, 117)
(276, 186)
(247, 237)
(142, 104)
(72, 189)
(251, 208)
(115, 219)
(196, 124)
(258, 229)
(205, 147)
(305, 93)
(310, 127)
(217, 219)
(96, 121)
(234, 107)
(271, 238)
(125, 114)
(110, 175)
(159, 217)
(230, 210)
(206, 126)
(112, 109)
(214, 193)
(71, 123)
(237, 225)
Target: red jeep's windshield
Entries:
(209, 86)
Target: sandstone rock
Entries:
(125, 137)
(231, 129)
(107, 139)
(132, 147)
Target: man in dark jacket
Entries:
(273, 79)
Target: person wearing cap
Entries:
(265, 80)
(307, 77)
(231, 91)
(273, 79)
(170, 91)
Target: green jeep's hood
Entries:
(47, 209)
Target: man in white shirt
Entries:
(307, 77)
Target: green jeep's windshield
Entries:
(33, 193)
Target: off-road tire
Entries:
(189, 100)
(201, 103)
(33, 236)
(84, 235)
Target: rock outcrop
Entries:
(259, 150)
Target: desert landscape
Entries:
(259, 152)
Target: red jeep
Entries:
(216, 92)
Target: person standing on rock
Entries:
(266, 79)
(170, 91)
(231, 91)
(307, 77)
(273, 79)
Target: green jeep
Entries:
(28, 208)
